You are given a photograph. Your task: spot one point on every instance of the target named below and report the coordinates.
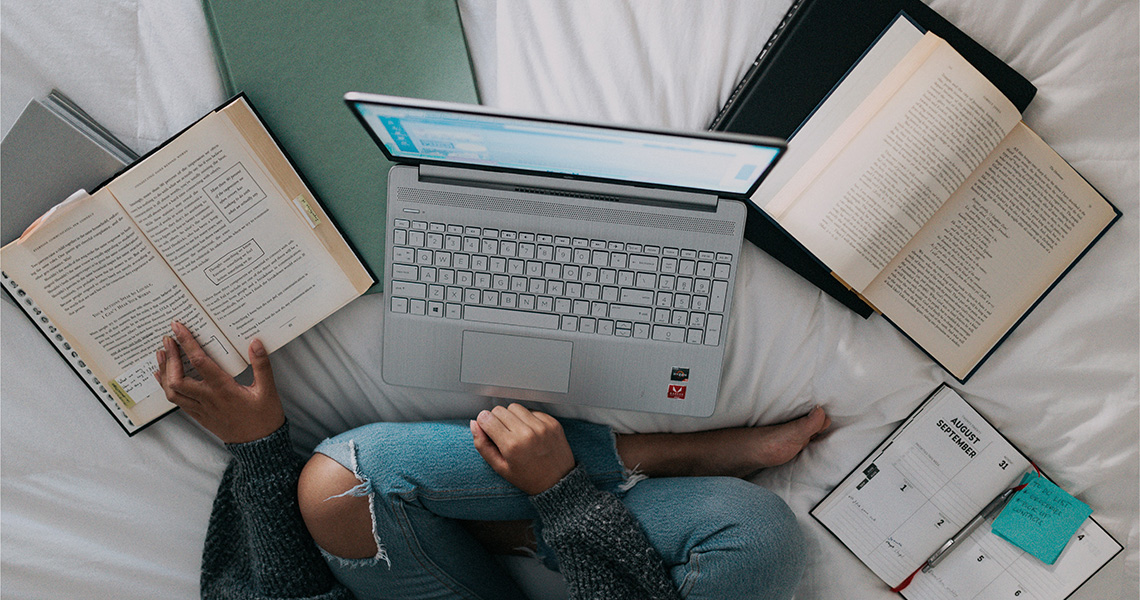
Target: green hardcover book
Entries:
(296, 58)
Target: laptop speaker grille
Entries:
(534, 190)
(601, 214)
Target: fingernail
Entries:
(483, 415)
(473, 425)
(257, 347)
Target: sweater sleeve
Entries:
(257, 545)
(602, 550)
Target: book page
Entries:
(918, 489)
(856, 86)
(103, 285)
(991, 252)
(986, 566)
(131, 420)
(892, 164)
(243, 247)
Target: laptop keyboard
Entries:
(532, 279)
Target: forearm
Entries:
(257, 516)
(601, 548)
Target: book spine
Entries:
(753, 70)
(65, 107)
(219, 50)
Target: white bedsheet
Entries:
(87, 513)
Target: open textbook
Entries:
(922, 485)
(214, 229)
(918, 185)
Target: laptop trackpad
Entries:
(516, 361)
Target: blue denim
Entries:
(720, 537)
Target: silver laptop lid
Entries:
(425, 132)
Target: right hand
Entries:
(528, 449)
(233, 412)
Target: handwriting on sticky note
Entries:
(1040, 519)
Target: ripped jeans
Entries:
(720, 537)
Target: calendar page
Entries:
(922, 485)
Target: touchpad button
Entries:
(516, 361)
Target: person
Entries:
(415, 510)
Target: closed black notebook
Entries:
(811, 50)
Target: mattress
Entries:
(86, 512)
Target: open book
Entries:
(918, 185)
(214, 229)
(922, 485)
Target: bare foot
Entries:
(775, 445)
(735, 452)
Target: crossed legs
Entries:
(468, 504)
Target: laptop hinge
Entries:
(569, 187)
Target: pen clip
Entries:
(938, 554)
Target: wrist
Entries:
(539, 487)
(275, 443)
(568, 484)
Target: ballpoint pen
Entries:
(990, 510)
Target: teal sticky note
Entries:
(1041, 518)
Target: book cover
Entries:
(297, 58)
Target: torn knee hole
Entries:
(336, 506)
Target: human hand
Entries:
(233, 412)
(528, 449)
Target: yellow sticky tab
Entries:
(310, 214)
(124, 397)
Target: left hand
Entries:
(233, 412)
(528, 449)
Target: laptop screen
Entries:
(447, 134)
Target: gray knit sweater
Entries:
(257, 545)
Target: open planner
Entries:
(922, 485)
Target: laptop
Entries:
(559, 261)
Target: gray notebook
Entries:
(52, 150)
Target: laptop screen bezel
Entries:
(355, 99)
